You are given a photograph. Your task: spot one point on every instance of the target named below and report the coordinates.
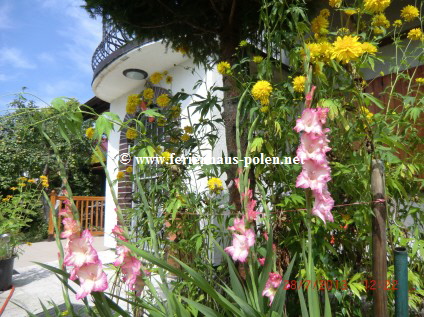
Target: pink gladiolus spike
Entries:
(79, 251)
(239, 225)
(310, 96)
(237, 182)
(118, 232)
(271, 286)
(71, 228)
(131, 269)
(261, 261)
(323, 205)
(92, 279)
(241, 244)
(266, 235)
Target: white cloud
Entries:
(13, 57)
(5, 20)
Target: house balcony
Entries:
(118, 52)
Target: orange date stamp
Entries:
(318, 284)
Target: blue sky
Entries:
(46, 46)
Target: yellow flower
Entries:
(132, 103)
(257, 59)
(325, 13)
(380, 20)
(369, 48)
(89, 133)
(155, 78)
(376, 5)
(29, 243)
(261, 91)
(175, 112)
(131, 134)
(335, 3)
(148, 94)
(163, 100)
(188, 129)
(299, 83)
(161, 121)
(166, 155)
(264, 109)
(129, 170)
(319, 25)
(397, 23)
(173, 139)
(347, 48)
(326, 50)
(243, 43)
(350, 11)
(409, 13)
(415, 34)
(215, 185)
(21, 184)
(168, 79)
(223, 68)
(185, 137)
(24, 179)
(13, 188)
(418, 80)
(31, 181)
(367, 113)
(378, 30)
(314, 51)
(120, 175)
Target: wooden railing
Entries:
(91, 213)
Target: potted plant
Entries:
(17, 210)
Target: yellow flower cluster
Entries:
(261, 91)
(89, 133)
(397, 23)
(185, 137)
(215, 185)
(367, 113)
(320, 51)
(163, 100)
(335, 3)
(376, 5)
(132, 103)
(175, 112)
(419, 80)
(188, 129)
(166, 155)
(243, 43)
(7, 198)
(223, 68)
(415, 34)
(257, 59)
(155, 78)
(350, 11)
(131, 134)
(44, 181)
(319, 25)
(120, 175)
(299, 83)
(380, 20)
(409, 13)
(148, 94)
(369, 48)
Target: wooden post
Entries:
(51, 226)
(379, 253)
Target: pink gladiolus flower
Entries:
(118, 231)
(131, 269)
(91, 278)
(71, 228)
(239, 225)
(241, 244)
(122, 252)
(310, 96)
(313, 147)
(323, 205)
(313, 176)
(261, 261)
(312, 120)
(79, 251)
(271, 286)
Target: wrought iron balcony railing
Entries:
(114, 44)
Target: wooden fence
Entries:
(91, 212)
